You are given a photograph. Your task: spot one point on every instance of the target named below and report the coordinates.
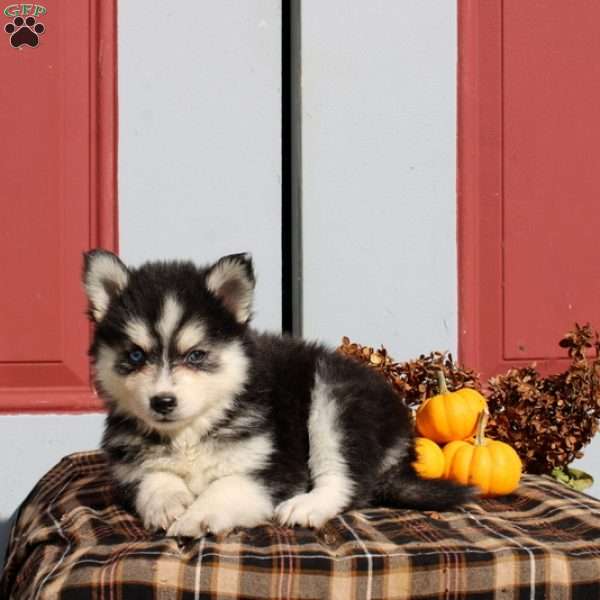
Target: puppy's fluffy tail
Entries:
(405, 489)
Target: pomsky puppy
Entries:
(213, 426)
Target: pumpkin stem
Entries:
(482, 420)
(443, 388)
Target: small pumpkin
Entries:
(493, 466)
(450, 415)
(430, 459)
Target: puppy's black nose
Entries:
(163, 404)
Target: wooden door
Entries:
(529, 178)
(57, 160)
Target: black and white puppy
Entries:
(212, 426)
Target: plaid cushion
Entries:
(72, 541)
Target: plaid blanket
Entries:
(72, 541)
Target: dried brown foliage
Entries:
(548, 420)
(416, 379)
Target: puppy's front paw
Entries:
(202, 518)
(162, 509)
(230, 502)
(206, 516)
(305, 510)
(192, 523)
(160, 503)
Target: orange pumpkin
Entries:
(450, 415)
(493, 466)
(430, 459)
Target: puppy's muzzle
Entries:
(163, 404)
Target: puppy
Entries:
(212, 425)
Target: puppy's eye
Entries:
(136, 357)
(195, 357)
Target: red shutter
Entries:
(57, 159)
(529, 179)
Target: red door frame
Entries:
(104, 118)
(479, 183)
(102, 201)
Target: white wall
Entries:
(200, 135)
(379, 202)
(36, 443)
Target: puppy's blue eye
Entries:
(195, 357)
(136, 357)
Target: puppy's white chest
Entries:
(200, 462)
(196, 459)
(187, 449)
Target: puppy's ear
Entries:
(231, 279)
(104, 278)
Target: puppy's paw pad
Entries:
(305, 510)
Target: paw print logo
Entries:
(24, 31)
